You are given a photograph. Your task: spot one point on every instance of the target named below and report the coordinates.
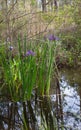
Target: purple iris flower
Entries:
(29, 53)
(11, 48)
(52, 38)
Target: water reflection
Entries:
(9, 118)
(27, 116)
(70, 88)
(60, 111)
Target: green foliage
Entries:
(47, 17)
(70, 33)
(45, 66)
(33, 2)
(28, 70)
(27, 67)
(70, 58)
(10, 71)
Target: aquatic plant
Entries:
(51, 37)
(11, 48)
(31, 68)
(45, 67)
(29, 53)
(27, 67)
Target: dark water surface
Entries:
(60, 111)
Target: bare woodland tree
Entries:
(45, 3)
(17, 17)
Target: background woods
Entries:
(40, 64)
(33, 17)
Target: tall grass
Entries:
(45, 67)
(27, 67)
(31, 68)
(10, 73)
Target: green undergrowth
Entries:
(31, 68)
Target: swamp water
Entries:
(60, 111)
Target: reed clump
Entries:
(31, 68)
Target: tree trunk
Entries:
(43, 5)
